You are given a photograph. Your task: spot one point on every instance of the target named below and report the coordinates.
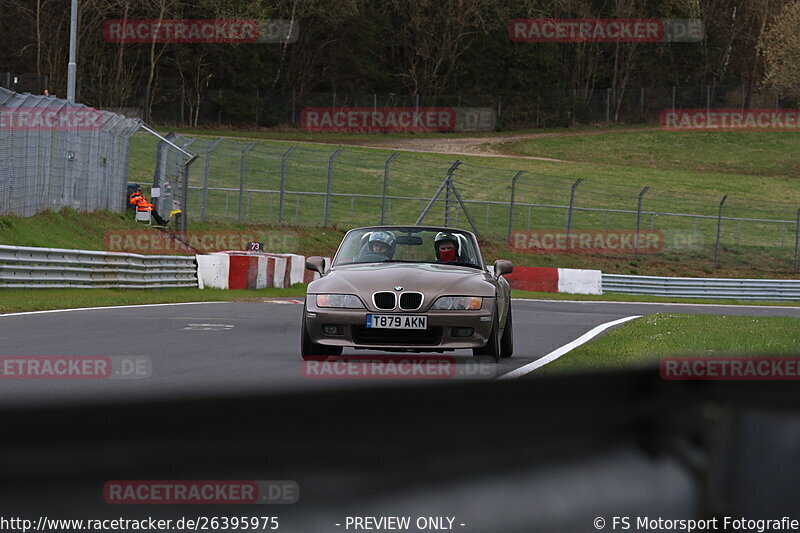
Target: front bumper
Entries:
(439, 334)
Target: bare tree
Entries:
(779, 44)
(163, 10)
(432, 35)
(195, 77)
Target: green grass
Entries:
(749, 249)
(19, 300)
(753, 264)
(761, 153)
(639, 298)
(86, 231)
(688, 171)
(64, 229)
(717, 162)
(648, 339)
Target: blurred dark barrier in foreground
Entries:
(538, 454)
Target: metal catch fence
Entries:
(279, 183)
(54, 154)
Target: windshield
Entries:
(411, 244)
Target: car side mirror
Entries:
(502, 266)
(315, 264)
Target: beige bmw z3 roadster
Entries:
(409, 289)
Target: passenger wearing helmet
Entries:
(447, 247)
(380, 242)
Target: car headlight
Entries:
(347, 301)
(458, 303)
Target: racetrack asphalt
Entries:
(223, 349)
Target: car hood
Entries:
(430, 279)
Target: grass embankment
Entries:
(69, 229)
(764, 154)
(648, 339)
(88, 231)
(705, 163)
(688, 172)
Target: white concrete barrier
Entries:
(212, 271)
(579, 281)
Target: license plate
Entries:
(397, 321)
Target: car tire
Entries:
(492, 347)
(309, 349)
(507, 340)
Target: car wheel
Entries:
(309, 349)
(492, 347)
(507, 341)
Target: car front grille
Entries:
(410, 300)
(384, 300)
(399, 337)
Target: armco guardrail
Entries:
(734, 289)
(40, 268)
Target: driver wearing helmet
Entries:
(381, 242)
(447, 247)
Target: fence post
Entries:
(386, 185)
(448, 187)
(719, 228)
(185, 195)
(447, 202)
(328, 190)
(445, 183)
(284, 157)
(673, 98)
(608, 105)
(796, 240)
(160, 171)
(638, 221)
(744, 95)
(511, 203)
(571, 204)
(416, 112)
(207, 169)
(641, 102)
(241, 176)
(463, 206)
